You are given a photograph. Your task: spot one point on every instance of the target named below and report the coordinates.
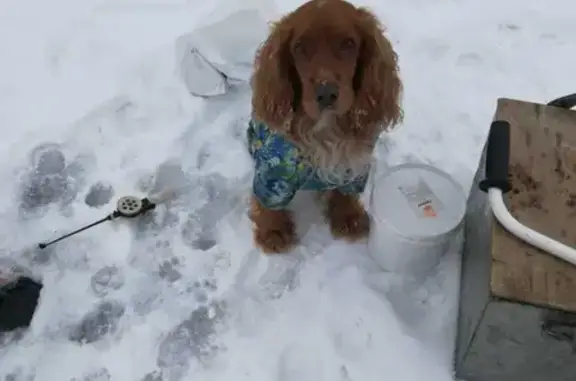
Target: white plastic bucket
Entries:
(416, 211)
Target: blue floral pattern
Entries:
(281, 170)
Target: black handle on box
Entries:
(567, 101)
(497, 157)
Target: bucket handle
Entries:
(567, 101)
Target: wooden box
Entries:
(517, 314)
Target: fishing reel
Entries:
(130, 207)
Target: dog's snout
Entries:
(326, 95)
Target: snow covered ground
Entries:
(182, 294)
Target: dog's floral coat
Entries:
(281, 170)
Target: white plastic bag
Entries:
(221, 53)
(200, 77)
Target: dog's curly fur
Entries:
(325, 41)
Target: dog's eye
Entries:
(298, 47)
(347, 44)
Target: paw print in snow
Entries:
(202, 289)
(107, 279)
(168, 270)
(99, 195)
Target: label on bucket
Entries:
(421, 199)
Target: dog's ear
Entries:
(377, 81)
(272, 86)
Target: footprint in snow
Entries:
(207, 200)
(191, 338)
(469, 59)
(168, 176)
(155, 221)
(101, 374)
(198, 234)
(51, 178)
(18, 375)
(103, 320)
(215, 201)
(153, 376)
(509, 27)
(168, 180)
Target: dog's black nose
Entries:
(326, 95)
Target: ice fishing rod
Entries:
(126, 207)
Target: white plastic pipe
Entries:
(526, 234)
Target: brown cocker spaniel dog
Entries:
(325, 86)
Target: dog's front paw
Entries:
(274, 230)
(347, 217)
(275, 240)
